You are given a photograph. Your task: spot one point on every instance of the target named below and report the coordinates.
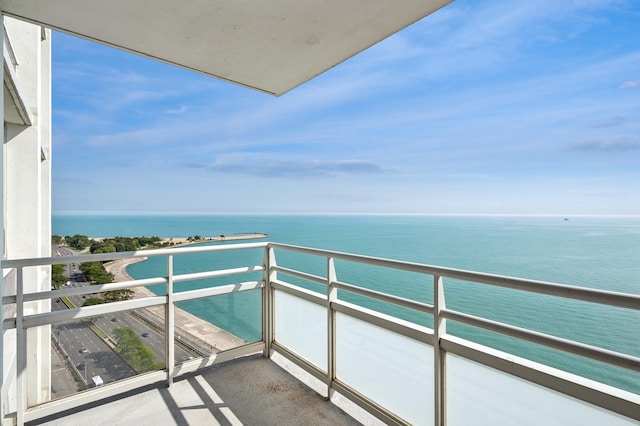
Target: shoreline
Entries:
(184, 241)
(209, 335)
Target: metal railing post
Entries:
(332, 295)
(439, 329)
(21, 350)
(267, 300)
(169, 324)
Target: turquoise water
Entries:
(601, 253)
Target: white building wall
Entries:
(26, 187)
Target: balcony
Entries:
(330, 333)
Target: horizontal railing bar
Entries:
(107, 308)
(8, 323)
(98, 288)
(602, 297)
(54, 317)
(623, 300)
(565, 345)
(387, 322)
(102, 257)
(217, 273)
(216, 291)
(375, 261)
(302, 293)
(299, 274)
(572, 292)
(384, 297)
(87, 289)
(592, 392)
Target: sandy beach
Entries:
(179, 241)
(182, 241)
(207, 335)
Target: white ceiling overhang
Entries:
(272, 46)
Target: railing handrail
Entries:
(614, 399)
(623, 300)
(101, 257)
(25, 320)
(605, 297)
(100, 288)
(569, 346)
(438, 310)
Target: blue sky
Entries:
(500, 107)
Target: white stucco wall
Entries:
(26, 194)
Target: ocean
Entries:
(595, 252)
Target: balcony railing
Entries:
(398, 356)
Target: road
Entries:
(89, 354)
(148, 334)
(62, 384)
(71, 268)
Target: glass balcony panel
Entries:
(305, 263)
(238, 314)
(619, 377)
(593, 324)
(112, 347)
(199, 262)
(395, 282)
(480, 395)
(586, 322)
(214, 324)
(390, 369)
(301, 326)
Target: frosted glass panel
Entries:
(390, 369)
(480, 395)
(301, 326)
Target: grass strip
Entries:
(68, 302)
(98, 331)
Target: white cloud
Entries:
(630, 84)
(473, 102)
(288, 168)
(180, 110)
(620, 144)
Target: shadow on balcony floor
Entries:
(249, 391)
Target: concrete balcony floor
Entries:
(250, 391)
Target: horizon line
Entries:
(115, 213)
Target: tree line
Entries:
(57, 276)
(95, 272)
(109, 245)
(139, 356)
